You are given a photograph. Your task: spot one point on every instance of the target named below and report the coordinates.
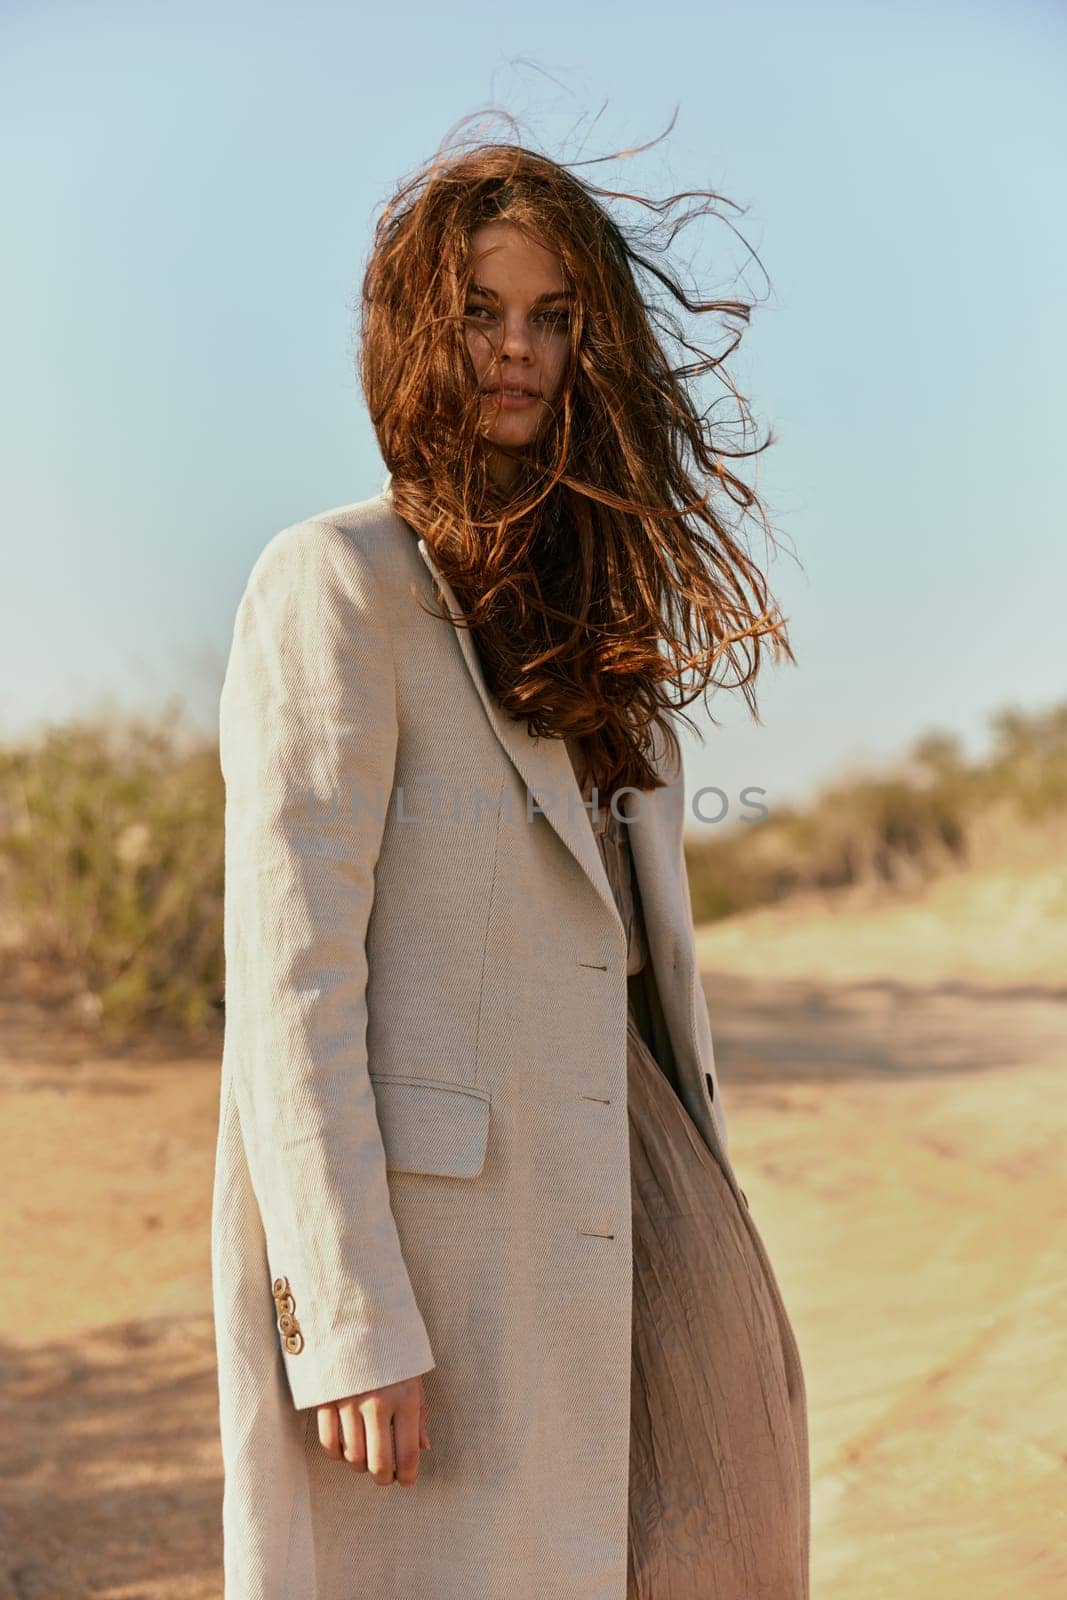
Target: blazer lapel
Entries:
(656, 842)
(655, 824)
(543, 764)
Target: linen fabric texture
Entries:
(423, 1110)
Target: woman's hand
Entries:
(361, 1430)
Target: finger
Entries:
(406, 1430)
(424, 1433)
(329, 1431)
(353, 1438)
(377, 1423)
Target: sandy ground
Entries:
(899, 1129)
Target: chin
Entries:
(512, 438)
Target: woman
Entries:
(493, 1318)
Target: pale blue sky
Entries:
(189, 194)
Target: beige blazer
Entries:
(423, 1152)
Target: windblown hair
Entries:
(605, 573)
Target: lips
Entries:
(513, 389)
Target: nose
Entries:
(515, 341)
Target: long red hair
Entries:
(605, 574)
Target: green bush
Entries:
(111, 843)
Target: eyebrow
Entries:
(552, 294)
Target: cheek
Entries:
(554, 365)
(480, 347)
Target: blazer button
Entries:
(294, 1343)
(280, 1286)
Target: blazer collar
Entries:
(655, 819)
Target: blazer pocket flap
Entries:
(433, 1127)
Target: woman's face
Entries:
(516, 325)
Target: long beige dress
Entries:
(719, 1501)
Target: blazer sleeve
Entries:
(307, 742)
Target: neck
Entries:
(502, 468)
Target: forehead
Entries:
(502, 253)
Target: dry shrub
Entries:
(111, 842)
(897, 829)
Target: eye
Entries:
(479, 312)
(556, 319)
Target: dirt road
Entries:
(901, 1142)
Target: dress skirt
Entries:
(718, 1505)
